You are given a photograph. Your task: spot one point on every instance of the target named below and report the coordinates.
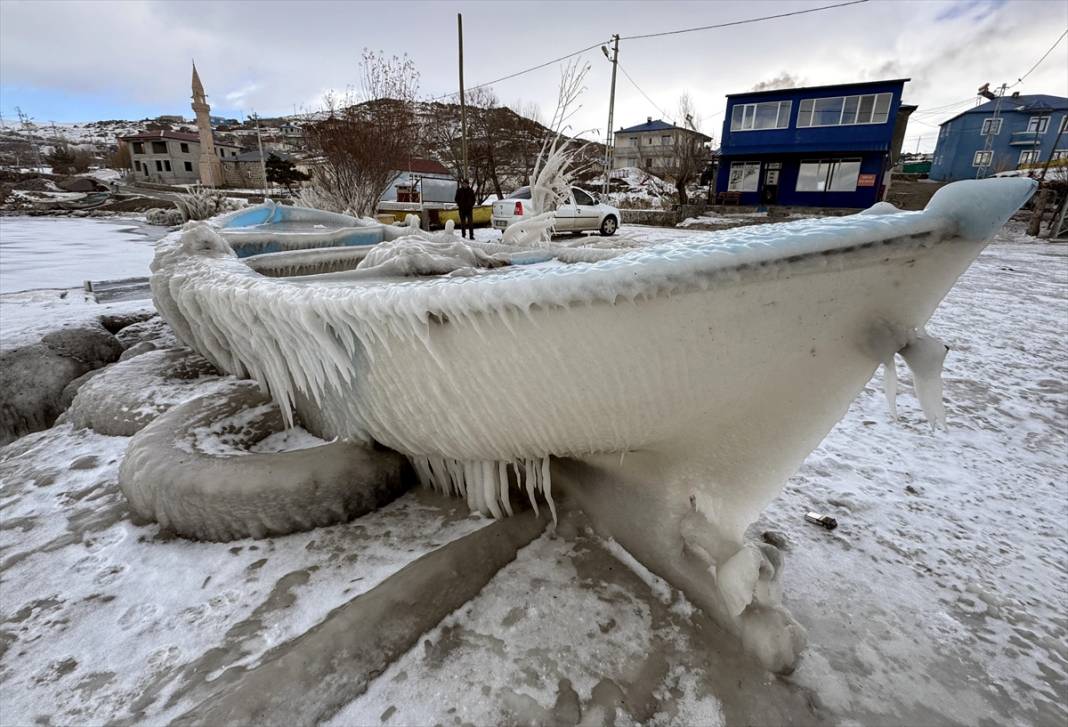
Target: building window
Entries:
(159, 165)
(1038, 124)
(139, 148)
(184, 147)
(828, 175)
(757, 116)
(167, 165)
(233, 153)
(1028, 156)
(1059, 155)
(635, 141)
(137, 166)
(744, 177)
(648, 163)
(991, 127)
(1064, 124)
(159, 147)
(982, 158)
(873, 108)
(945, 131)
(189, 166)
(665, 140)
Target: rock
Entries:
(33, 377)
(154, 330)
(126, 397)
(71, 389)
(115, 322)
(774, 537)
(78, 184)
(137, 349)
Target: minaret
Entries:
(210, 167)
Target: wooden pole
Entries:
(463, 105)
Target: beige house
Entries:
(649, 146)
(171, 157)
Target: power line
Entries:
(1039, 62)
(643, 93)
(743, 22)
(524, 71)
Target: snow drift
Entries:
(696, 374)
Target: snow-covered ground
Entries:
(940, 599)
(62, 252)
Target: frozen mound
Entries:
(123, 398)
(690, 377)
(220, 467)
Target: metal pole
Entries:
(980, 172)
(463, 105)
(608, 139)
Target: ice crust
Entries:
(694, 358)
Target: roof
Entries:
(175, 135)
(1026, 104)
(424, 166)
(657, 125)
(861, 84)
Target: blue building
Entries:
(1023, 131)
(825, 146)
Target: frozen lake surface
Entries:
(64, 252)
(939, 600)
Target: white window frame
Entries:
(1064, 124)
(748, 118)
(1059, 154)
(1042, 121)
(1028, 156)
(977, 158)
(832, 170)
(989, 128)
(803, 123)
(730, 174)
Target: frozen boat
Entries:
(699, 373)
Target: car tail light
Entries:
(518, 209)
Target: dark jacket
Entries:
(465, 198)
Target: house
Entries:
(1021, 130)
(246, 169)
(825, 146)
(649, 146)
(421, 180)
(170, 157)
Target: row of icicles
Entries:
(486, 484)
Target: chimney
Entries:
(648, 119)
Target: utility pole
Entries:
(608, 139)
(463, 104)
(995, 124)
(918, 140)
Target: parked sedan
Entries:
(580, 212)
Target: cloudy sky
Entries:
(86, 60)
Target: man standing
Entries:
(465, 201)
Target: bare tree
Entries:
(367, 137)
(688, 152)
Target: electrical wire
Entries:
(743, 22)
(634, 83)
(1039, 62)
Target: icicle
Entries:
(925, 355)
(547, 487)
(889, 385)
(489, 488)
(502, 476)
(532, 481)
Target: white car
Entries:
(577, 214)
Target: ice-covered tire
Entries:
(122, 399)
(175, 473)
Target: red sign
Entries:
(866, 180)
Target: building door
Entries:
(770, 194)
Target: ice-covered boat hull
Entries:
(689, 379)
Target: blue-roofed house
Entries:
(1022, 129)
(825, 146)
(650, 146)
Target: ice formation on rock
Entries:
(715, 365)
